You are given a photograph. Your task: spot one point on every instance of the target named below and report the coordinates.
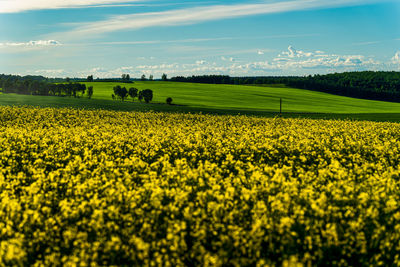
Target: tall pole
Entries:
(280, 109)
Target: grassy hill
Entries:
(229, 99)
(237, 97)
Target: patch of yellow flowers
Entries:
(93, 188)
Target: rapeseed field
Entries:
(93, 188)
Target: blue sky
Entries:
(106, 38)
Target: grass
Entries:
(252, 98)
(224, 99)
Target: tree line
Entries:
(126, 78)
(368, 84)
(122, 93)
(35, 85)
(379, 85)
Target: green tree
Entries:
(90, 92)
(126, 77)
(90, 78)
(151, 77)
(164, 77)
(143, 78)
(123, 93)
(117, 90)
(169, 100)
(133, 92)
(146, 95)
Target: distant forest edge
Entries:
(38, 85)
(367, 84)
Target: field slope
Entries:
(239, 97)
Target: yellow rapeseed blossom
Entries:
(99, 188)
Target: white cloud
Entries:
(233, 69)
(298, 59)
(14, 6)
(367, 43)
(200, 14)
(163, 66)
(146, 58)
(260, 52)
(38, 43)
(299, 62)
(293, 53)
(102, 72)
(396, 58)
(50, 72)
(231, 59)
(290, 62)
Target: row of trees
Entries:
(123, 93)
(225, 79)
(368, 84)
(22, 85)
(213, 79)
(151, 77)
(40, 78)
(126, 78)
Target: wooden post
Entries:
(280, 108)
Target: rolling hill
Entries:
(230, 99)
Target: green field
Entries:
(224, 99)
(237, 97)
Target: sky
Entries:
(108, 38)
